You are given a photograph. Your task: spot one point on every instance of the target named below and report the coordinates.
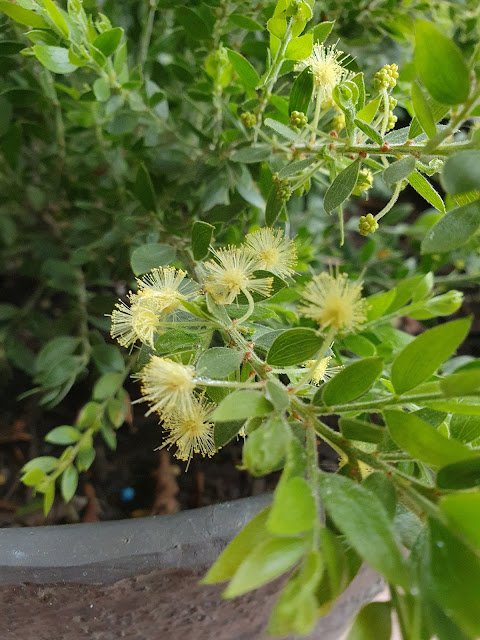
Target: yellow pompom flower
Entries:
(321, 372)
(334, 301)
(231, 273)
(139, 321)
(168, 285)
(191, 430)
(273, 251)
(167, 386)
(327, 70)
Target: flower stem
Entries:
(391, 202)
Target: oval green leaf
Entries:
(440, 65)
(293, 509)
(151, 256)
(422, 441)
(461, 172)
(422, 357)
(353, 381)
(342, 187)
(460, 475)
(241, 405)
(454, 230)
(363, 520)
(294, 346)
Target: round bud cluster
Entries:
(248, 119)
(298, 119)
(367, 224)
(284, 190)
(392, 103)
(338, 121)
(386, 78)
(392, 119)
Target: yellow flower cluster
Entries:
(159, 296)
(168, 386)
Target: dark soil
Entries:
(166, 604)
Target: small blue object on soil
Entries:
(127, 494)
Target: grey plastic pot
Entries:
(107, 552)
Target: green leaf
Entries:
(372, 621)
(267, 561)
(273, 206)
(294, 346)
(342, 187)
(48, 498)
(460, 475)
(246, 72)
(301, 92)
(321, 32)
(439, 111)
(241, 405)
(277, 394)
(465, 428)
(379, 484)
(423, 111)
(296, 167)
(151, 256)
(69, 483)
(455, 406)
(354, 429)
(453, 578)
(352, 381)
(107, 357)
(63, 435)
(379, 303)
(224, 432)
(283, 130)
(45, 463)
(440, 65)
(266, 447)
(362, 518)
(368, 130)
(107, 385)
(461, 172)
(399, 170)
(293, 509)
(462, 511)
(101, 89)
(299, 48)
(461, 383)
(144, 190)
(23, 16)
(108, 41)
(359, 345)
(56, 17)
(218, 362)
(251, 155)
(245, 22)
(33, 477)
(296, 610)
(202, 233)
(193, 24)
(422, 357)
(454, 230)
(425, 189)
(54, 58)
(85, 458)
(422, 441)
(249, 537)
(369, 111)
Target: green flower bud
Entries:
(298, 119)
(391, 121)
(386, 78)
(367, 224)
(248, 119)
